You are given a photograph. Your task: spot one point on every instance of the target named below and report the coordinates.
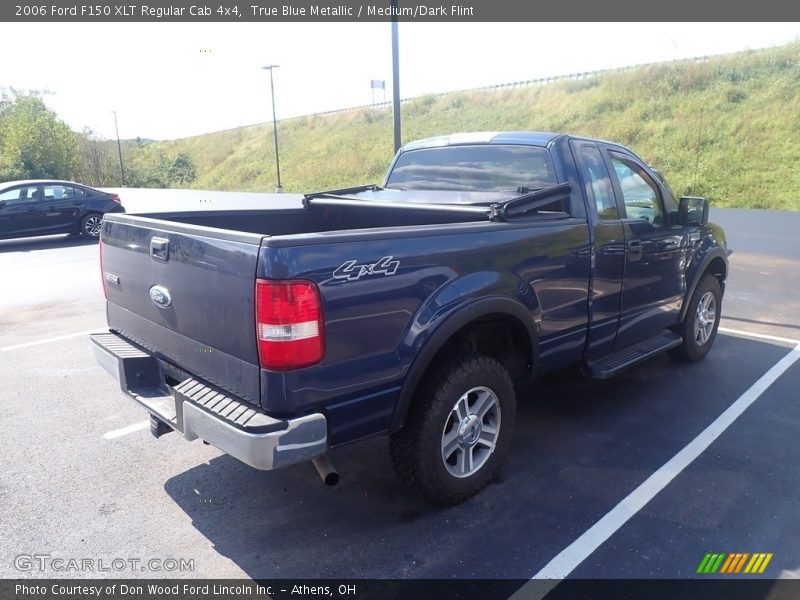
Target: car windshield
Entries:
(482, 167)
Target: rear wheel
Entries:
(90, 226)
(458, 430)
(699, 327)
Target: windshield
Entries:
(483, 167)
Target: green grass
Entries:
(728, 128)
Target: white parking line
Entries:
(758, 336)
(126, 430)
(579, 550)
(57, 338)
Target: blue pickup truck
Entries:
(409, 309)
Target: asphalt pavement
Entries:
(81, 477)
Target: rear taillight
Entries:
(289, 326)
(102, 270)
(115, 198)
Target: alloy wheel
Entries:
(470, 433)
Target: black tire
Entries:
(466, 382)
(90, 226)
(696, 344)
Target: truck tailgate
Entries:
(185, 293)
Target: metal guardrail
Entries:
(513, 85)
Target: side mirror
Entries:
(693, 210)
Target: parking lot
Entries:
(82, 476)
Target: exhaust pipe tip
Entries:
(326, 470)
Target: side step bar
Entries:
(611, 364)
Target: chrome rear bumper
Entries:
(196, 410)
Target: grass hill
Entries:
(728, 128)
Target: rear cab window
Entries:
(479, 167)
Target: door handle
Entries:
(634, 249)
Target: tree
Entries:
(99, 164)
(147, 168)
(182, 170)
(34, 143)
(152, 167)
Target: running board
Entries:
(611, 364)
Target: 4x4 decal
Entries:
(352, 271)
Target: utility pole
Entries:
(119, 148)
(278, 188)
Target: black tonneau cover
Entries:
(468, 203)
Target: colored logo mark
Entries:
(734, 562)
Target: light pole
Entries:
(278, 188)
(119, 148)
(395, 79)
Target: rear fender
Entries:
(433, 339)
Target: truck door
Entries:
(653, 285)
(608, 250)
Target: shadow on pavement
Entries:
(580, 446)
(46, 242)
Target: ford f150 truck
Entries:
(410, 309)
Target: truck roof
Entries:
(526, 138)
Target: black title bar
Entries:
(708, 588)
(405, 10)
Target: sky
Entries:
(172, 80)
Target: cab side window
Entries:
(639, 191)
(600, 182)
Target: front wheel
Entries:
(458, 429)
(90, 226)
(699, 327)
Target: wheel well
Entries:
(502, 337)
(718, 269)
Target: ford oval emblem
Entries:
(160, 296)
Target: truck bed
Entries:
(316, 219)
(213, 257)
